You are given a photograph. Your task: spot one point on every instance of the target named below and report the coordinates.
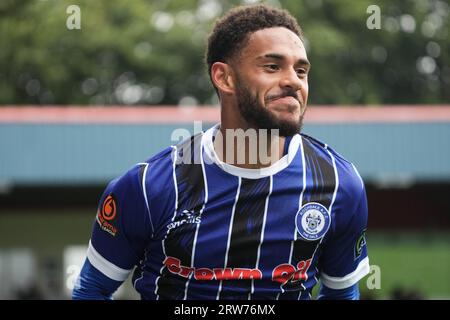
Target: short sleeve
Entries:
(344, 260)
(122, 226)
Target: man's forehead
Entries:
(279, 39)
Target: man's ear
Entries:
(222, 76)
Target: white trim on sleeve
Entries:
(104, 266)
(348, 280)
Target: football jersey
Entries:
(194, 227)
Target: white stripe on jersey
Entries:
(359, 176)
(350, 279)
(144, 190)
(174, 161)
(229, 233)
(106, 267)
(337, 181)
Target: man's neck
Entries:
(247, 147)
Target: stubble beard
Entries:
(260, 117)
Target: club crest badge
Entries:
(312, 221)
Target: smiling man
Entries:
(197, 222)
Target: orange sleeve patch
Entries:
(109, 208)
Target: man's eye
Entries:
(302, 72)
(272, 66)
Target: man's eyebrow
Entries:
(278, 56)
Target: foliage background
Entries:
(151, 52)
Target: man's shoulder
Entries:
(136, 174)
(188, 145)
(163, 154)
(159, 167)
(348, 174)
(323, 148)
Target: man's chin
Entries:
(286, 118)
(288, 124)
(289, 129)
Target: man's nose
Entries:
(291, 80)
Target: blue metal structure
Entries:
(69, 154)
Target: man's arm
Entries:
(93, 285)
(120, 233)
(344, 260)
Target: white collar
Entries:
(281, 164)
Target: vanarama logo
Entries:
(106, 215)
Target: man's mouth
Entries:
(288, 101)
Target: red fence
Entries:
(172, 114)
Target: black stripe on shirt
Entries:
(245, 237)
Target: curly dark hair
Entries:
(231, 32)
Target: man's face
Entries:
(272, 80)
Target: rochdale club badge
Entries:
(312, 221)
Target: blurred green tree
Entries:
(152, 52)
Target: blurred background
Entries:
(84, 97)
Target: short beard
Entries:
(260, 117)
